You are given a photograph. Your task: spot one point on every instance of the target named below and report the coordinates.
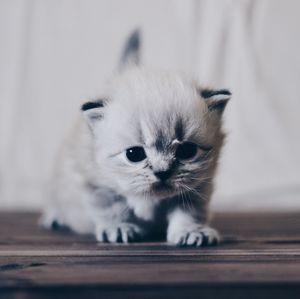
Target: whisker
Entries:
(194, 191)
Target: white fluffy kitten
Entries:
(140, 162)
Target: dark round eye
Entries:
(135, 154)
(186, 150)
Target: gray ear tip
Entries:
(134, 39)
(131, 52)
(208, 93)
(216, 99)
(92, 105)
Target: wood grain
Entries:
(259, 256)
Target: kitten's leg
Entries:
(184, 229)
(117, 230)
(125, 221)
(115, 221)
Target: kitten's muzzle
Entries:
(162, 189)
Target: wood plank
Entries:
(65, 271)
(240, 291)
(259, 253)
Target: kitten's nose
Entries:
(163, 175)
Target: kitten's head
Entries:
(156, 134)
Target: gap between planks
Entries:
(149, 253)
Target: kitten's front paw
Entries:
(197, 236)
(121, 233)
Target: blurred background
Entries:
(56, 54)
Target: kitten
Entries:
(141, 160)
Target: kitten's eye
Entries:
(186, 150)
(136, 154)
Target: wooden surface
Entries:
(258, 258)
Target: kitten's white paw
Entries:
(196, 236)
(121, 233)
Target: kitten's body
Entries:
(97, 189)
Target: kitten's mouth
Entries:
(163, 189)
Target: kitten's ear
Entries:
(216, 100)
(131, 51)
(92, 111)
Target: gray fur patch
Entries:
(161, 142)
(105, 197)
(179, 130)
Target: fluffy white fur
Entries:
(96, 189)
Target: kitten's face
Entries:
(156, 136)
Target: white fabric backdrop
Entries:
(55, 54)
